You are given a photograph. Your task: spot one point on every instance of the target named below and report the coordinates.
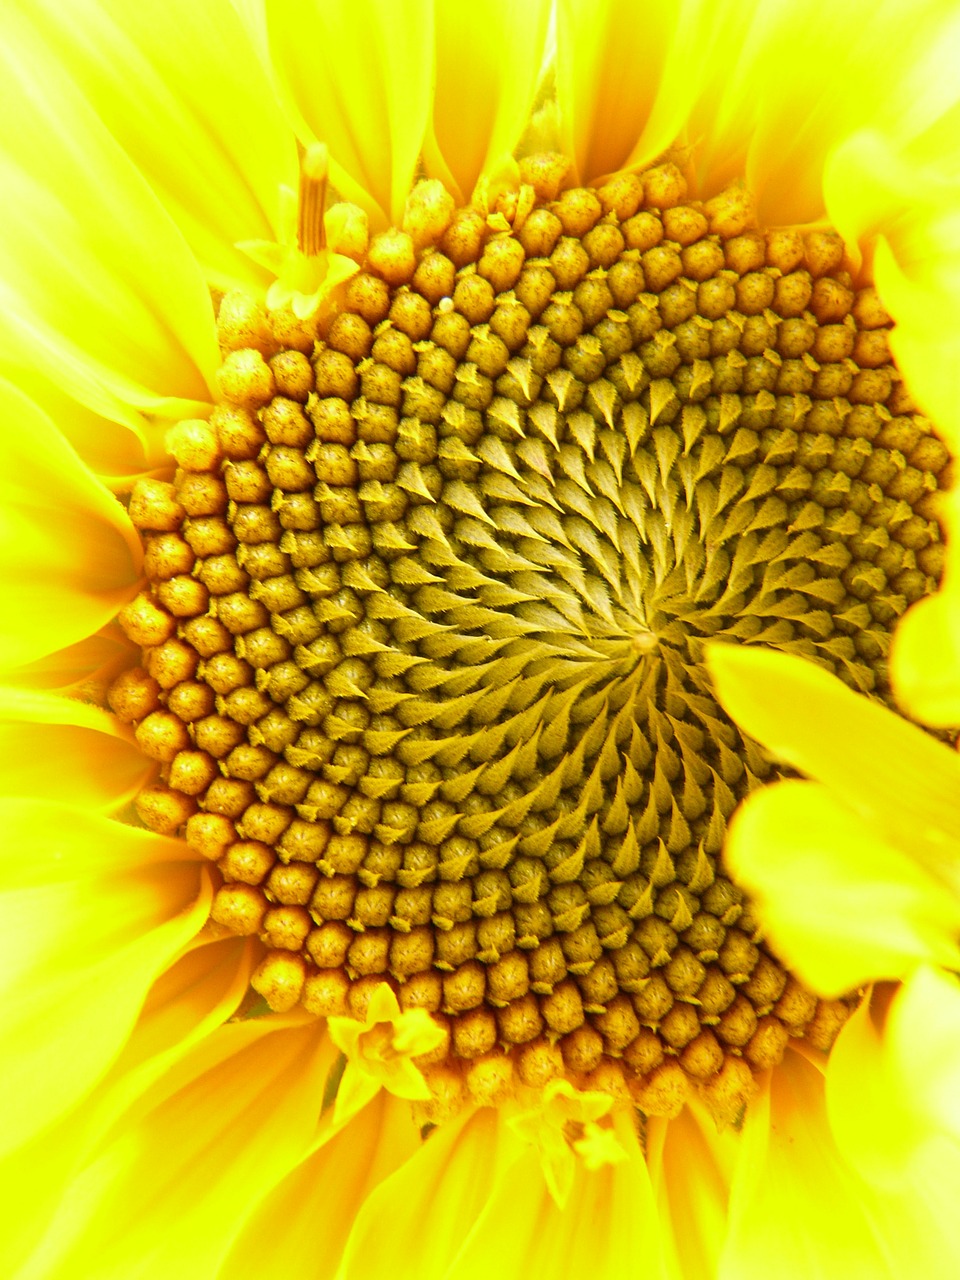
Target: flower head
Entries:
(413, 576)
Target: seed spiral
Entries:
(425, 607)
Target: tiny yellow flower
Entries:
(563, 1126)
(380, 1050)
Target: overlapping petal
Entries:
(66, 751)
(536, 1234)
(489, 1209)
(882, 767)
(832, 1226)
(842, 905)
(114, 451)
(99, 290)
(84, 670)
(691, 1164)
(204, 131)
(216, 1133)
(192, 998)
(319, 1199)
(627, 79)
(872, 1114)
(489, 59)
(891, 1094)
(916, 248)
(926, 658)
(923, 1045)
(87, 922)
(785, 85)
(357, 77)
(857, 878)
(446, 1182)
(68, 552)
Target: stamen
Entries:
(314, 164)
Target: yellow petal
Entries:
(68, 552)
(780, 95)
(626, 79)
(82, 671)
(795, 1207)
(112, 450)
(691, 1165)
(923, 1035)
(205, 131)
(91, 912)
(216, 1134)
(521, 1231)
(925, 656)
(911, 201)
(489, 60)
(62, 750)
(490, 1212)
(892, 1101)
(445, 1183)
(198, 993)
(99, 289)
(880, 766)
(357, 77)
(839, 903)
(320, 1198)
(871, 1116)
(925, 659)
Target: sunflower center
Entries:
(426, 603)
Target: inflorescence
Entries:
(425, 607)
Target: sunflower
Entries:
(407, 401)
